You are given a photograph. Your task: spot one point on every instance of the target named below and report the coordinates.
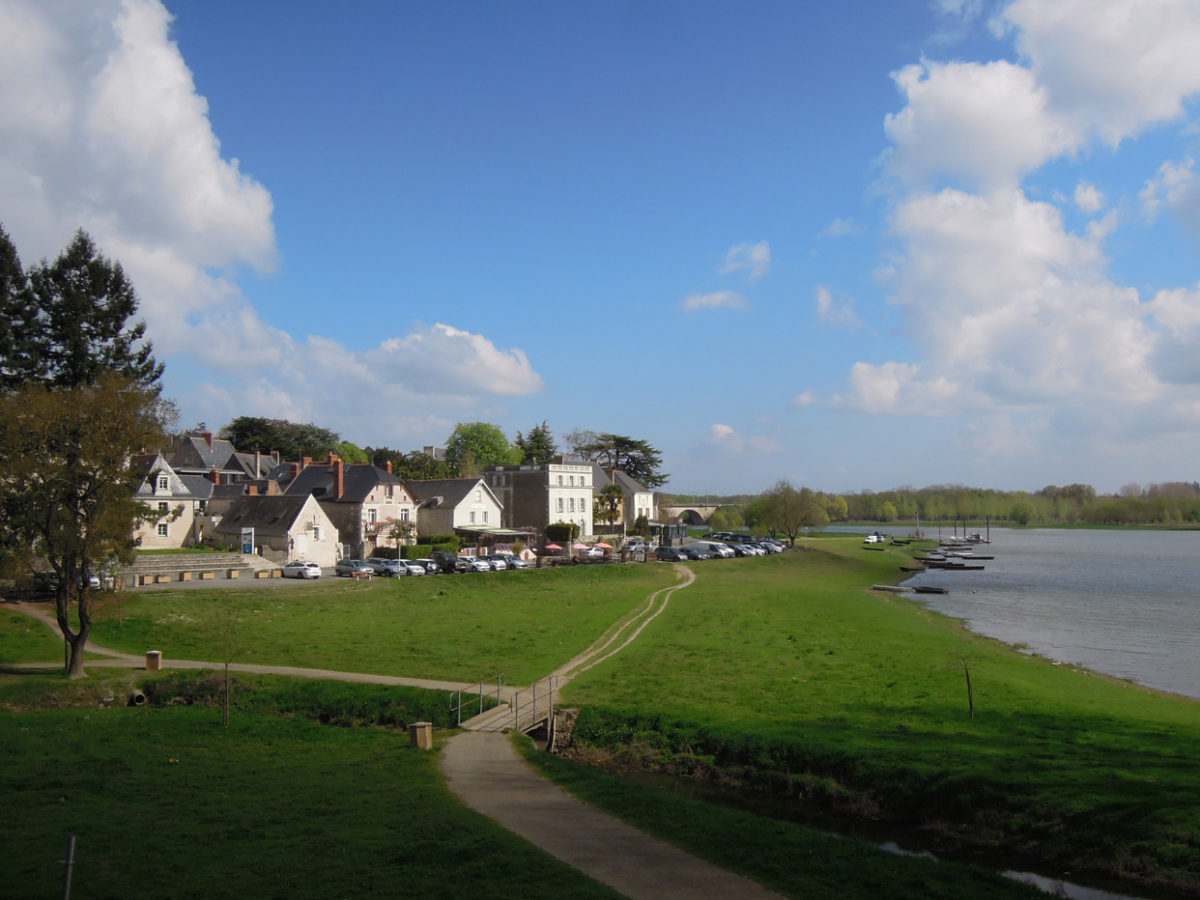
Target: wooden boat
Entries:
(954, 565)
(930, 589)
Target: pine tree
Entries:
(17, 319)
(83, 303)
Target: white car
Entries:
(413, 567)
(301, 569)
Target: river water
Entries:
(1125, 603)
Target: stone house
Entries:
(286, 527)
(164, 492)
(534, 496)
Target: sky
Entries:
(857, 246)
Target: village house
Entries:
(463, 506)
(199, 452)
(164, 492)
(282, 528)
(534, 496)
(368, 505)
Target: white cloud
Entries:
(984, 123)
(753, 259)
(1110, 67)
(103, 129)
(803, 399)
(716, 300)
(1088, 197)
(722, 432)
(841, 228)
(831, 312)
(732, 443)
(1175, 186)
(1177, 353)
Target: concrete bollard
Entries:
(154, 660)
(421, 734)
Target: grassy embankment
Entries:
(787, 675)
(781, 671)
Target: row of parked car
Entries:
(440, 563)
(720, 545)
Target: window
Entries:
(572, 481)
(387, 491)
(162, 530)
(583, 504)
(164, 484)
(316, 531)
(162, 506)
(485, 512)
(372, 515)
(571, 505)
(478, 495)
(560, 504)
(404, 514)
(560, 480)
(472, 517)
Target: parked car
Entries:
(353, 567)
(498, 561)
(382, 566)
(671, 554)
(474, 564)
(694, 552)
(515, 562)
(412, 567)
(429, 565)
(298, 568)
(447, 562)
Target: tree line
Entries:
(792, 509)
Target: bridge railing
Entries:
(534, 704)
(458, 705)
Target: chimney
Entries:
(339, 480)
(389, 467)
(332, 457)
(208, 436)
(295, 471)
(214, 475)
(306, 462)
(257, 463)
(252, 490)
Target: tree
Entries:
(293, 441)
(475, 446)
(67, 492)
(608, 502)
(787, 510)
(636, 458)
(537, 446)
(82, 304)
(18, 319)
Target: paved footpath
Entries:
(486, 772)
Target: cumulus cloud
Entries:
(1008, 311)
(733, 443)
(103, 128)
(803, 399)
(716, 300)
(1088, 197)
(836, 312)
(753, 259)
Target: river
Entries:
(1122, 602)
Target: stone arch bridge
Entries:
(688, 513)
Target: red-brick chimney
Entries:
(214, 475)
(208, 436)
(252, 490)
(295, 471)
(339, 478)
(389, 467)
(306, 462)
(332, 457)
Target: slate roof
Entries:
(266, 515)
(318, 479)
(452, 490)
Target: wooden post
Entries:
(970, 693)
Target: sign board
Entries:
(247, 540)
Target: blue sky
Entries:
(857, 245)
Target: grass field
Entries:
(784, 675)
(450, 627)
(790, 675)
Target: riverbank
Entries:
(789, 678)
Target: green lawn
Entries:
(784, 675)
(788, 673)
(453, 627)
(164, 802)
(25, 640)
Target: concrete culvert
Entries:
(137, 698)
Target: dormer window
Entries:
(164, 483)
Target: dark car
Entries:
(355, 568)
(670, 554)
(697, 553)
